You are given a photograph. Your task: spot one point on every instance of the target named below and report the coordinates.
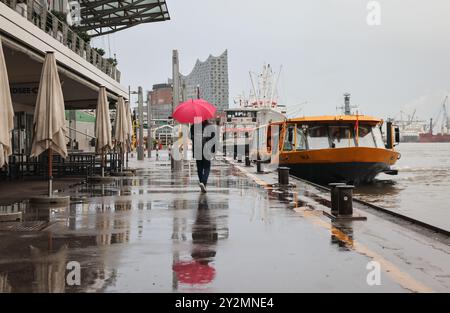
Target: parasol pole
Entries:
(119, 158)
(122, 156)
(127, 149)
(103, 162)
(50, 172)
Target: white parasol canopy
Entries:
(121, 129)
(49, 129)
(129, 124)
(6, 112)
(103, 123)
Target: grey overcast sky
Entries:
(326, 48)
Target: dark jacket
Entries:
(204, 140)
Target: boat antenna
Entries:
(274, 87)
(348, 110)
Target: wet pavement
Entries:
(14, 191)
(157, 233)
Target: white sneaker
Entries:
(202, 187)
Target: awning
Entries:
(105, 17)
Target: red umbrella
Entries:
(194, 273)
(194, 111)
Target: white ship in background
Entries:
(264, 94)
(437, 130)
(260, 108)
(410, 128)
(410, 133)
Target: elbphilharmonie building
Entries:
(212, 78)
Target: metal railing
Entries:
(83, 164)
(80, 132)
(37, 14)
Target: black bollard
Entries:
(258, 163)
(283, 176)
(224, 141)
(247, 161)
(335, 197)
(247, 150)
(345, 194)
(235, 151)
(259, 166)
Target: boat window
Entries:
(365, 138)
(318, 137)
(376, 131)
(300, 140)
(341, 137)
(289, 138)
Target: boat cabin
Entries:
(318, 133)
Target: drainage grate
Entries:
(23, 226)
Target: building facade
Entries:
(31, 29)
(161, 100)
(212, 78)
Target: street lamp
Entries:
(149, 126)
(140, 147)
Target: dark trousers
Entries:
(203, 168)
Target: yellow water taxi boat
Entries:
(329, 149)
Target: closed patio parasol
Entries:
(49, 130)
(6, 112)
(121, 128)
(103, 126)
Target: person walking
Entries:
(203, 157)
(157, 150)
(197, 112)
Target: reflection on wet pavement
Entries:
(342, 235)
(156, 233)
(205, 234)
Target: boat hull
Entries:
(351, 173)
(434, 138)
(350, 165)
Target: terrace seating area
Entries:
(77, 164)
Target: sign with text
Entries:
(25, 93)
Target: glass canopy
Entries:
(106, 16)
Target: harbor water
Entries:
(422, 188)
